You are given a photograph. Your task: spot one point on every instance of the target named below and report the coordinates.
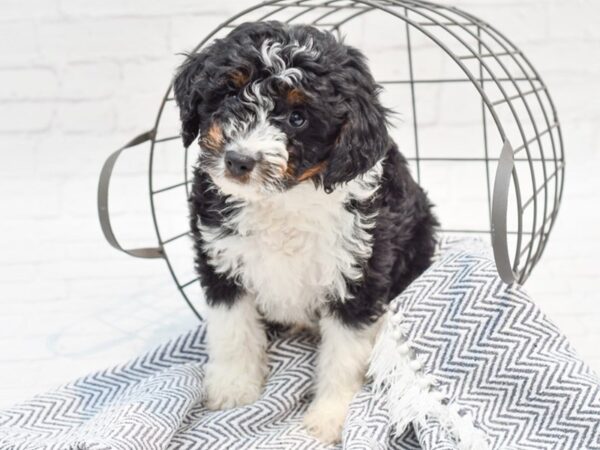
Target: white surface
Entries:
(78, 79)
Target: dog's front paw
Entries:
(325, 420)
(229, 385)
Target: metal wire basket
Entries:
(471, 105)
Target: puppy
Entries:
(303, 210)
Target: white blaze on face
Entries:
(270, 53)
(264, 142)
(267, 145)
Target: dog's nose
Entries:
(238, 164)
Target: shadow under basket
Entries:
(476, 123)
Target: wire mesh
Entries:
(463, 89)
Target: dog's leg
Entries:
(341, 366)
(237, 365)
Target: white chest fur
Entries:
(293, 250)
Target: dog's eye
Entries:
(296, 119)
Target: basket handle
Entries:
(499, 214)
(103, 214)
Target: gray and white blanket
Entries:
(464, 362)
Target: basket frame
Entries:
(418, 15)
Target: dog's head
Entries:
(274, 105)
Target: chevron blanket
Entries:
(463, 362)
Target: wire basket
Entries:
(476, 123)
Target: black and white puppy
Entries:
(303, 210)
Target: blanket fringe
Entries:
(410, 393)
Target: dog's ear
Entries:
(186, 88)
(363, 137)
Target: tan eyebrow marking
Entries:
(296, 97)
(312, 171)
(239, 78)
(213, 140)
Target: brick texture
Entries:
(78, 79)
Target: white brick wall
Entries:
(77, 79)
